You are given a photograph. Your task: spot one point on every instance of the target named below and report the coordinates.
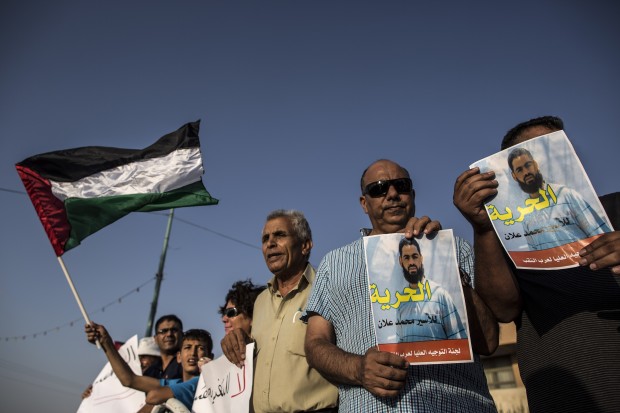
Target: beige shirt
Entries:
(283, 381)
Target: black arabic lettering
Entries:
(512, 235)
(561, 222)
(222, 389)
(384, 323)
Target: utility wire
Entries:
(13, 191)
(77, 320)
(135, 290)
(16, 369)
(217, 233)
(38, 385)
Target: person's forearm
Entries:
(336, 365)
(147, 408)
(483, 326)
(119, 366)
(159, 395)
(494, 281)
(122, 370)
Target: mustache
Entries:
(398, 204)
(534, 185)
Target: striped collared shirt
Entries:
(340, 295)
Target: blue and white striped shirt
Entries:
(340, 295)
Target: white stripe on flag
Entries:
(175, 170)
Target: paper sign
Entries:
(108, 394)
(545, 210)
(224, 387)
(417, 298)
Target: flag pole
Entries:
(159, 277)
(75, 294)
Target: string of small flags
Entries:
(79, 321)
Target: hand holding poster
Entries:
(224, 387)
(108, 394)
(417, 298)
(545, 210)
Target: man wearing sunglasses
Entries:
(283, 380)
(340, 340)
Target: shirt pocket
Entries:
(294, 334)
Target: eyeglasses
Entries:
(381, 188)
(231, 312)
(164, 331)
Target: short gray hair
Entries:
(298, 222)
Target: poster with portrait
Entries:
(417, 299)
(108, 394)
(546, 209)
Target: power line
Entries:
(16, 368)
(38, 385)
(218, 233)
(77, 320)
(13, 191)
(119, 299)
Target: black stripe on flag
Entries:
(73, 164)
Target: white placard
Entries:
(224, 387)
(109, 395)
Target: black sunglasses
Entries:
(231, 312)
(381, 188)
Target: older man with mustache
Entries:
(283, 380)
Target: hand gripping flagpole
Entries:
(75, 294)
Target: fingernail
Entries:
(593, 266)
(582, 252)
(583, 261)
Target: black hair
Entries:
(242, 295)
(200, 335)
(515, 153)
(168, 317)
(408, 241)
(552, 122)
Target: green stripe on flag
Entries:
(89, 215)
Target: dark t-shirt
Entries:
(173, 371)
(568, 336)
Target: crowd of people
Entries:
(315, 350)
(171, 360)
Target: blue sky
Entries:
(296, 99)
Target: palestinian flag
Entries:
(76, 192)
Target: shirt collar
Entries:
(307, 278)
